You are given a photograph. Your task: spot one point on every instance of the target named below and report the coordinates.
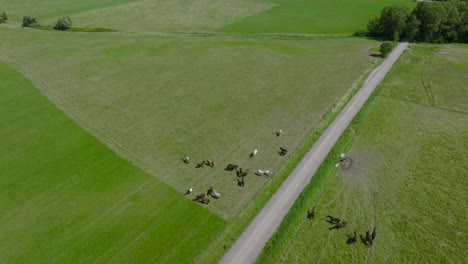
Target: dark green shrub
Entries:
(63, 23)
(28, 21)
(386, 48)
(3, 17)
(360, 33)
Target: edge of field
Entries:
(290, 223)
(219, 246)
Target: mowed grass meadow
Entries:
(67, 198)
(408, 176)
(153, 99)
(236, 16)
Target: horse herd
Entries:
(241, 173)
(337, 224)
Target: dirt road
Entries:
(251, 242)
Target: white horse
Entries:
(186, 159)
(279, 133)
(215, 194)
(253, 153)
(189, 191)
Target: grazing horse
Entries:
(209, 163)
(200, 165)
(369, 238)
(311, 213)
(213, 193)
(189, 191)
(231, 167)
(279, 133)
(186, 159)
(241, 181)
(242, 173)
(200, 196)
(333, 220)
(352, 239)
(338, 226)
(253, 153)
(283, 151)
(259, 172)
(374, 234)
(204, 200)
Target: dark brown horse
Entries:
(209, 163)
(200, 196)
(200, 165)
(231, 167)
(338, 226)
(333, 220)
(352, 239)
(311, 213)
(283, 151)
(241, 181)
(369, 238)
(242, 173)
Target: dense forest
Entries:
(434, 21)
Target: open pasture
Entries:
(67, 198)
(235, 16)
(407, 179)
(153, 99)
(313, 16)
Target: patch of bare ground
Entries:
(360, 167)
(448, 53)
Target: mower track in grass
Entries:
(67, 198)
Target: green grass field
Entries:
(67, 198)
(313, 17)
(153, 99)
(409, 146)
(236, 16)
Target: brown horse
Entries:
(205, 200)
(231, 167)
(311, 213)
(200, 196)
(209, 163)
(241, 181)
(200, 165)
(338, 226)
(369, 238)
(241, 173)
(333, 220)
(352, 239)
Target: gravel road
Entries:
(251, 242)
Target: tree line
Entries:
(437, 22)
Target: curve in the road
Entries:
(253, 239)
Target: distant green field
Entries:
(153, 99)
(66, 198)
(313, 16)
(408, 147)
(236, 16)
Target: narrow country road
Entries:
(251, 242)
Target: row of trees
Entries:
(63, 23)
(3, 17)
(439, 22)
